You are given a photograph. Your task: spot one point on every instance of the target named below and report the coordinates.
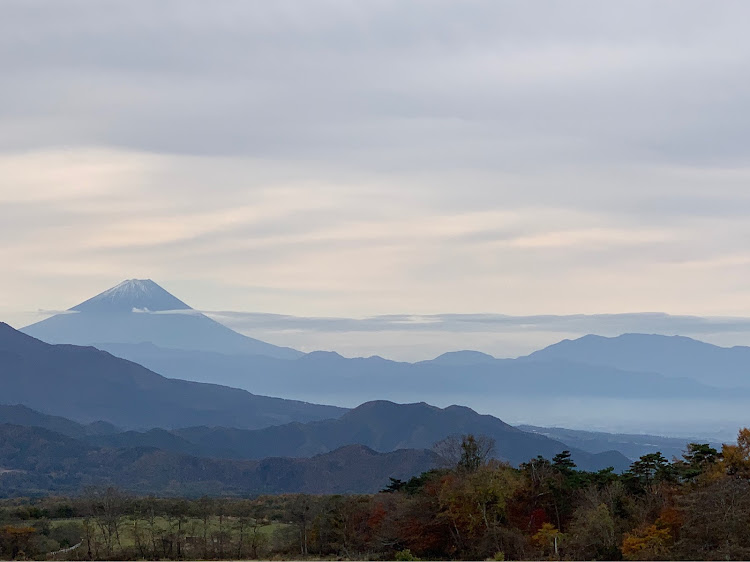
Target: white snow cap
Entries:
(140, 294)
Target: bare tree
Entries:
(465, 452)
(301, 514)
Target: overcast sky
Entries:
(366, 158)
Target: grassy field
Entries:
(159, 535)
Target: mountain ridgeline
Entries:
(89, 385)
(382, 426)
(318, 375)
(673, 356)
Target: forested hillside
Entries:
(697, 507)
(36, 461)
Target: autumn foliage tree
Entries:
(15, 541)
(474, 507)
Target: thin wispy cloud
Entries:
(594, 323)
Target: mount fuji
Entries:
(140, 311)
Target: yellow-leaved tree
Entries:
(736, 458)
(651, 543)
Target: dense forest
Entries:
(695, 507)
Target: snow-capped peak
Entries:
(141, 294)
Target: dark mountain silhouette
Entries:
(138, 311)
(21, 415)
(325, 376)
(37, 461)
(406, 426)
(382, 426)
(158, 438)
(88, 385)
(674, 356)
(632, 446)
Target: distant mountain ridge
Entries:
(673, 356)
(325, 375)
(88, 385)
(631, 445)
(139, 310)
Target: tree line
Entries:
(695, 507)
